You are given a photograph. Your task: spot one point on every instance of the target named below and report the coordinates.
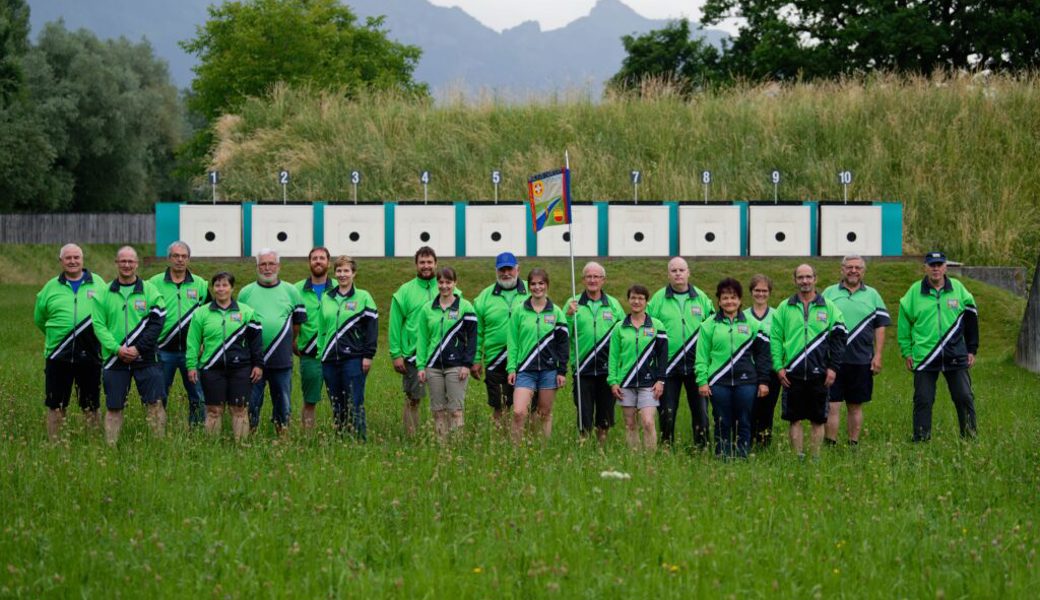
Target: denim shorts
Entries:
(536, 380)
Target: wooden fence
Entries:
(82, 228)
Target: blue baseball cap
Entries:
(506, 259)
(934, 258)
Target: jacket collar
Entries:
(926, 288)
(308, 284)
(584, 298)
(548, 305)
(670, 292)
(214, 306)
(722, 318)
(333, 291)
(187, 276)
(648, 321)
(862, 287)
(138, 285)
(520, 289)
(85, 278)
(818, 300)
(437, 303)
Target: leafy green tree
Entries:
(247, 46)
(668, 54)
(14, 42)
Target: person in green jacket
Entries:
(807, 341)
(312, 289)
(225, 353)
(591, 316)
(71, 350)
(536, 345)
(761, 287)
(938, 332)
(348, 334)
(494, 306)
(183, 293)
(128, 317)
(637, 358)
(406, 307)
(733, 366)
(445, 351)
(681, 307)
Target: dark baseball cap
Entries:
(934, 258)
(506, 259)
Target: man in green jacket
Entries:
(938, 332)
(128, 318)
(73, 356)
(591, 316)
(183, 292)
(807, 341)
(311, 290)
(494, 306)
(405, 313)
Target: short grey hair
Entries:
(811, 268)
(180, 243)
(593, 265)
(266, 251)
(849, 257)
(69, 246)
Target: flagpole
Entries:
(574, 290)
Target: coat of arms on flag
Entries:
(549, 194)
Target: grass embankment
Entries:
(309, 517)
(959, 153)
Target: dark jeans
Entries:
(959, 383)
(171, 363)
(731, 406)
(345, 382)
(59, 377)
(673, 387)
(762, 413)
(280, 381)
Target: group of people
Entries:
(814, 350)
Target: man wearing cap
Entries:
(938, 332)
(493, 306)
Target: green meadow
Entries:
(319, 516)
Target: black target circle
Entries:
(210, 236)
(709, 237)
(354, 236)
(780, 236)
(282, 236)
(424, 236)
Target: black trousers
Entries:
(959, 383)
(597, 402)
(673, 387)
(59, 377)
(762, 413)
(231, 386)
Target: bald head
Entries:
(805, 279)
(679, 274)
(126, 264)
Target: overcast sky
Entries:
(552, 14)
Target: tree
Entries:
(14, 42)
(247, 46)
(669, 54)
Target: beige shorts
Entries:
(446, 391)
(410, 384)
(638, 398)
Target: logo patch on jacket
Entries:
(236, 316)
(140, 305)
(696, 311)
(608, 316)
(821, 316)
(649, 332)
(90, 294)
(953, 304)
(193, 294)
(453, 315)
(351, 305)
(550, 319)
(743, 329)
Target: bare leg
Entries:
(631, 427)
(411, 416)
(855, 421)
(834, 420)
(55, 421)
(93, 419)
(458, 420)
(307, 417)
(500, 416)
(521, 403)
(239, 422)
(649, 418)
(214, 414)
(544, 410)
(157, 419)
(601, 436)
(113, 423)
(817, 438)
(441, 424)
(794, 431)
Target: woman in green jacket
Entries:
(638, 358)
(225, 352)
(536, 345)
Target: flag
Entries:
(550, 197)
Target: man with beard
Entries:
(494, 305)
(312, 289)
(405, 313)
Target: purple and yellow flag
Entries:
(550, 196)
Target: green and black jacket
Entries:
(278, 307)
(864, 311)
(182, 299)
(681, 313)
(308, 340)
(733, 351)
(595, 320)
(638, 355)
(132, 321)
(65, 318)
(348, 325)
(938, 328)
(447, 337)
(494, 307)
(807, 339)
(224, 338)
(537, 341)
(406, 308)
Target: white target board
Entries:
(709, 230)
(288, 230)
(212, 230)
(417, 226)
(782, 230)
(355, 230)
(848, 230)
(638, 230)
(491, 230)
(553, 241)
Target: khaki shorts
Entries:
(446, 391)
(410, 384)
(638, 398)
